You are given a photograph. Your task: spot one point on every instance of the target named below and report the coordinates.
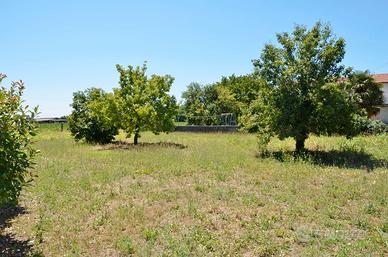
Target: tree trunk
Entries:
(299, 147)
(135, 139)
(137, 135)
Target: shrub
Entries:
(17, 129)
(91, 119)
(370, 127)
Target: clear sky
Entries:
(58, 47)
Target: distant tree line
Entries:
(203, 104)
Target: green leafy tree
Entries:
(368, 93)
(244, 88)
(205, 104)
(144, 103)
(194, 102)
(17, 128)
(226, 101)
(93, 116)
(181, 113)
(302, 95)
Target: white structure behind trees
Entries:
(383, 114)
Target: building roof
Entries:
(381, 78)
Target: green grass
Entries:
(205, 195)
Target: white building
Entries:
(383, 114)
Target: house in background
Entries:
(383, 114)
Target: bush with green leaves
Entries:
(91, 119)
(17, 128)
(367, 126)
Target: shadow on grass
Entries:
(123, 145)
(9, 245)
(340, 159)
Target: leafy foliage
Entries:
(17, 129)
(204, 104)
(144, 103)
(368, 93)
(302, 95)
(91, 119)
(181, 113)
(367, 126)
(244, 88)
(197, 104)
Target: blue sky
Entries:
(58, 47)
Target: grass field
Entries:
(202, 195)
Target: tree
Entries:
(181, 113)
(195, 104)
(302, 95)
(144, 103)
(367, 91)
(17, 128)
(92, 118)
(244, 88)
(205, 104)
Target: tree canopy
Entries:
(244, 88)
(368, 93)
(302, 95)
(144, 103)
(204, 104)
(196, 105)
(91, 119)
